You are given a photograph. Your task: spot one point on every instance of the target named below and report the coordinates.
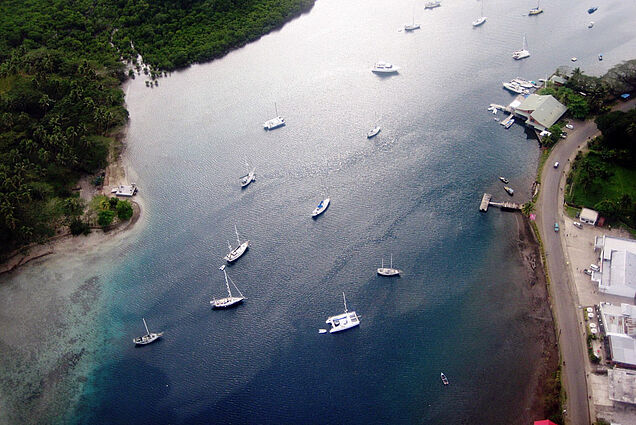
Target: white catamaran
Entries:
(344, 321)
(523, 53)
(388, 271)
(148, 338)
(229, 300)
(276, 122)
(236, 253)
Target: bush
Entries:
(78, 227)
(124, 210)
(105, 217)
(112, 203)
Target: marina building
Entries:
(620, 329)
(540, 112)
(617, 269)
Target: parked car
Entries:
(577, 224)
(587, 272)
(570, 126)
(564, 135)
(595, 267)
(556, 164)
(556, 227)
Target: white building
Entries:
(617, 275)
(622, 385)
(588, 216)
(620, 328)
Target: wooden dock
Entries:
(505, 206)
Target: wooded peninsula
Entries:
(61, 104)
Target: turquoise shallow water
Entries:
(413, 191)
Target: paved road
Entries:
(565, 301)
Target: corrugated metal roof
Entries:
(544, 110)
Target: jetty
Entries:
(504, 206)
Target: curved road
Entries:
(571, 335)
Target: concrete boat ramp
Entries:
(505, 206)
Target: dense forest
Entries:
(61, 67)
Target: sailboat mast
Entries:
(146, 326)
(229, 245)
(238, 241)
(229, 293)
(276, 108)
(345, 301)
(391, 260)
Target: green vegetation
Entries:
(61, 105)
(605, 178)
(552, 398)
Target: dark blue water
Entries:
(413, 192)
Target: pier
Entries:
(505, 206)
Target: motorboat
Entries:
(515, 88)
(509, 123)
(444, 378)
(523, 53)
(591, 24)
(344, 321)
(411, 27)
(592, 10)
(573, 58)
(600, 57)
(509, 190)
(373, 132)
(384, 68)
(432, 4)
(322, 206)
(236, 253)
(275, 122)
(388, 271)
(524, 83)
(230, 300)
(148, 337)
(479, 21)
(503, 179)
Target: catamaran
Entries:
(322, 206)
(249, 177)
(523, 53)
(276, 122)
(479, 21)
(344, 321)
(235, 253)
(388, 271)
(535, 10)
(148, 338)
(230, 300)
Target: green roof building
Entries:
(540, 112)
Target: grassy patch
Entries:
(545, 153)
(621, 181)
(571, 211)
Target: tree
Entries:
(105, 217)
(124, 210)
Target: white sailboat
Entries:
(523, 53)
(412, 26)
(275, 122)
(235, 253)
(388, 271)
(344, 321)
(149, 337)
(230, 300)
(536, 10)
(249, 177)
(479, 21)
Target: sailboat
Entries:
(344, 321)
(388, 271)
(229, 300)
(148, 338)
(536, 10)
(322, 206)
(276, 122)
(523, 53)
(235, 253)
(249, 177)
(412, 26)
(375, 130)
(479, 21)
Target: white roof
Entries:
(589, 215)
(622, 385)
(618, 267)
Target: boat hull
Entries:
(274, 123)
(479, 21)
(147, 339)
(388, 272)
(374, 132)
(342, 322)
(322, 207)
(226, 302)
(237, 252)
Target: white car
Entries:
(577, 224)
(595, 267)
(570, 126)
(556, 164)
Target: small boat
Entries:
(344, 321)
(373, 132)
(412, 26)
(384, 68)
(444, 378)
(600, 57)
(276, 122)
(509, 190)
(591, 24)
(509, 123)
(515, 88)
(592, 10)
(249, 177)
(230, 300)
(479, 21)
(573, 58)
(503, 179)
(388, 271)
(322, 206)
(524, 83)
(536, 10)
(236, 253)
(523, 53)
(148, 338)
(432, 4)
